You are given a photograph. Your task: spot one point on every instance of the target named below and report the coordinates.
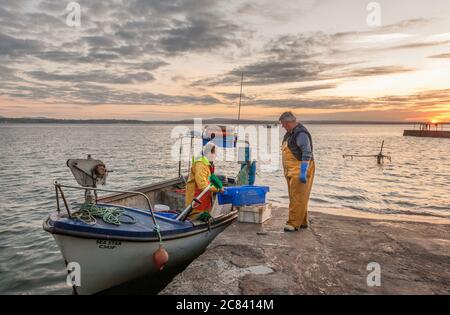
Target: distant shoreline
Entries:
(216, 121)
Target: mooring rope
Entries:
(89, 212)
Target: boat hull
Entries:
(107, 263)
(110, 255)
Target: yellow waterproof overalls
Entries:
(298, 192)
(198, 180)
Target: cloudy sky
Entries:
(160, 59)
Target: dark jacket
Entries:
(291, 138)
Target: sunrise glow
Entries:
(157, 61)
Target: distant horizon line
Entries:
(207, 120)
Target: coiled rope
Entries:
(89, 212)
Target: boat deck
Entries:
(143, 227)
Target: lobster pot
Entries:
(255, 213)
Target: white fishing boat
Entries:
(112, 253)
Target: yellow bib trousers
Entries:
(298, 192)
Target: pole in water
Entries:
(380, 156)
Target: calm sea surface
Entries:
(32, 157)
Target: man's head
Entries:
(209, 151)
(288, 121)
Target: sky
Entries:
(170, 60)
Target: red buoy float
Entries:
(160, 258)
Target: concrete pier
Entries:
(427, 133)
(330, 257)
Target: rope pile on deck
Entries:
(89, 212)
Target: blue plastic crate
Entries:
(224, 198)
(243, 195)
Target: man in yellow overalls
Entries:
(299, 168)
(202, 168)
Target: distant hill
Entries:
(211, 121)
(124, 121)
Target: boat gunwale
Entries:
(109, 198)
(196, 229)
(113, 197)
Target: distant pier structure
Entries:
(431, 130)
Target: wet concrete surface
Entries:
(330, 257)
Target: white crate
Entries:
(255, 213)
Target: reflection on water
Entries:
(33, 156)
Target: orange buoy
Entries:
(160, 257)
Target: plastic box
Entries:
(255, 214)
(243, 195)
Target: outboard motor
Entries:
(88, 173)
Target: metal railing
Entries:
(58, 187)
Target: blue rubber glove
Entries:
(303, 171)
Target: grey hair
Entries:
(287, 116)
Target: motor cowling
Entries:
(88, 172)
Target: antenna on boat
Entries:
(240, 102)
(380, 156)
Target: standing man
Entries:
(299, 167)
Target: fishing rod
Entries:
(380, 156)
